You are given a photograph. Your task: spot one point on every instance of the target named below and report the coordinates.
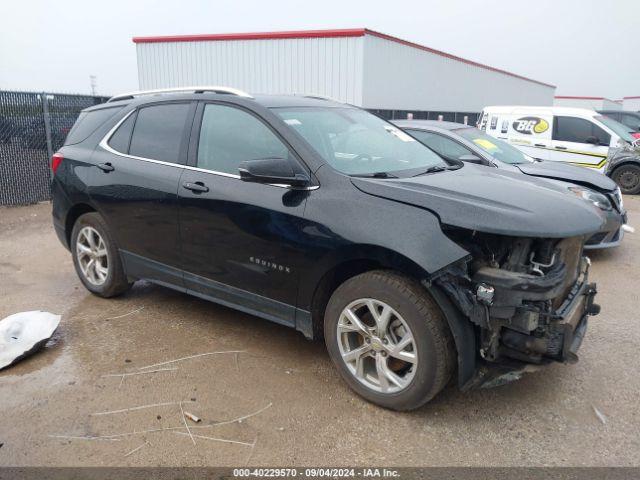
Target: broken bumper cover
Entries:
(521, 352)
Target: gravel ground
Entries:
(308, 417)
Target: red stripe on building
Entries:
(580, 98)
(216, 37)
(352, 32)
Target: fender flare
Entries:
(463, 334)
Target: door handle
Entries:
(561, 148)
(106, 167)
(539, 145)
(197, 187)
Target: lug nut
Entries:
(385, 341)
(384, 354)
(367, 340)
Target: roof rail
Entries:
(215, 89)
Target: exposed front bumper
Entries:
(521, 352)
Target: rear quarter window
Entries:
(89, 122)
(119, 141)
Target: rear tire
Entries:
(368, 320)
(96, 257)
(627, 177)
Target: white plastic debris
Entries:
(192, 417)
(600, 415)
(23, 333)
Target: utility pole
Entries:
(94, 84)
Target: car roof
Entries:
(549, 109)
(266, 100)
(430, 124)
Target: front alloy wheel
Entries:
(377, 345)
(389, 339)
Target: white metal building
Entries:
(631, 104)
(592, 103)
(358, 66)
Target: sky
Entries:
(585, 48)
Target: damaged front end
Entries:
(527, 298)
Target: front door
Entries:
(580, 142)
(241, 241)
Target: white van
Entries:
(574, 135)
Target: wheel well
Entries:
(330, 282)
(74, 213)
(624, 163)
(347, 269)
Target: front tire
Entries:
(389, 340)
(96, 257)
(627, 177)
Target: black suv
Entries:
(323, 217)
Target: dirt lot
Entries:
(311, 418)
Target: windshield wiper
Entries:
(376, 175)
(434, 169)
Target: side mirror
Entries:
(593, 140)
(271, 170)
(470, 158)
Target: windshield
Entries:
(619, 129)
(356, 142)
(498, 149)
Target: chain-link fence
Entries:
(32, 127)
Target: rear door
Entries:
(579, 141)
(241, 241)
(138, 169)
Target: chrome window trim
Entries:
(104, 143)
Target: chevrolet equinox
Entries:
(323, 217)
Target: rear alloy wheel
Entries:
(96, 257)
(389, 340)
(628, 178)
(92, 255)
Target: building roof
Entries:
(352, 32)
(570, 97)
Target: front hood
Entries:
(493, 201)
(568, 173)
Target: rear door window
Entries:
(158, 132)
(88, 122)
(578, 130)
